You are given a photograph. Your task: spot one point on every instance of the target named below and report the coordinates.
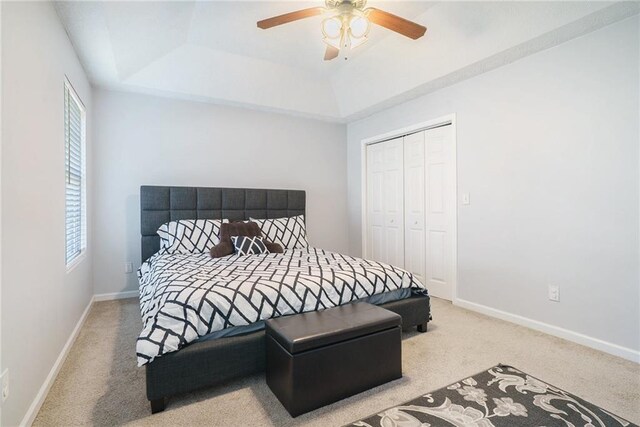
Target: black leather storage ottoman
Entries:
(320, 357)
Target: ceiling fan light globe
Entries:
(332, 28)
(359, 26)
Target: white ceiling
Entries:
(212, 51)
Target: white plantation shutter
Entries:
(75, 204)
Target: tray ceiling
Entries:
(213, 52)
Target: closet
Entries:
(410, 203)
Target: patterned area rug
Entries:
(502, 397)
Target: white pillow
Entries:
(187, 236)
(290, 233)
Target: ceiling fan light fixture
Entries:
(332, 28)
(358, 26)
(345, 31)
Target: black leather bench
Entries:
(320, 357)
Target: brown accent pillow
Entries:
(240, 228)
(221, 249)
(274, 248)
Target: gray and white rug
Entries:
(502, 397)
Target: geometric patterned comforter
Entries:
(186, 296)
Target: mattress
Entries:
(187, 297)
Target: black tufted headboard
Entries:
(163, 204)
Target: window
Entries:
(75, 194)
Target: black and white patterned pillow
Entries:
(290, 233)
(245, 245)
(189, 235)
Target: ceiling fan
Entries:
(346, 24)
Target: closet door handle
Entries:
(391, 221)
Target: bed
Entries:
(214, 359)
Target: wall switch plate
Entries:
(466, 199)
(554, 293)
(128, 267)
(5, 384)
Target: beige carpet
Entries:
(100, 384)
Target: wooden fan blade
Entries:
(289, 17)
(395, 23)
(331, 53)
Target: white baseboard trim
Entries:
(33, 410)
(115, 295)
(598, 344)
(576, 337)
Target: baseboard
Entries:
(576, 337)
(115, 295)
(598, 344)
(32, 412)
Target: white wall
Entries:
(141, 139)
(41, 302)
(548, 150)
(1, 365)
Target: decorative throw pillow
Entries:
(289, 232)
(189, 235)
(245, 245)
(240, 228)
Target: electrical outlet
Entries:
(128, 267)
(554, 293)
(466, 199)
(5, 384)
